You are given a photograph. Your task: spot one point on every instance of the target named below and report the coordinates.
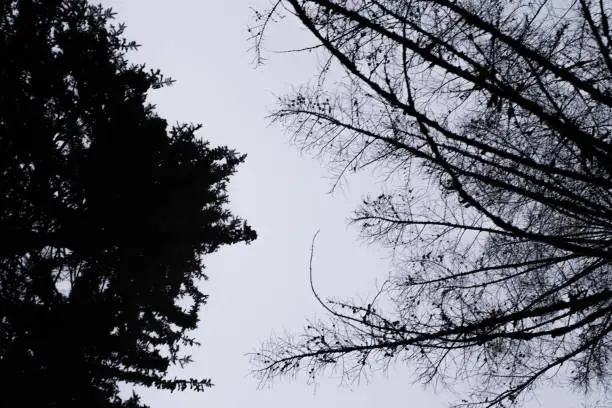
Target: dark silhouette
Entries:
(106, 214)
(492, 120)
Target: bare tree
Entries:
(495, 116)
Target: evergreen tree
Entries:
(106, 213)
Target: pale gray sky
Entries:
(257, 289)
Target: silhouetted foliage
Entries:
(493, 120)
(105, 214)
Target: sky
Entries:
(262, 288)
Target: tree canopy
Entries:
(106, 214)
(492, 119)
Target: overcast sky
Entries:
(263, 288)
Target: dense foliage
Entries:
(105, 213)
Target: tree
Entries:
(106, 214)
(493, 119)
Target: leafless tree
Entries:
(495, 117)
